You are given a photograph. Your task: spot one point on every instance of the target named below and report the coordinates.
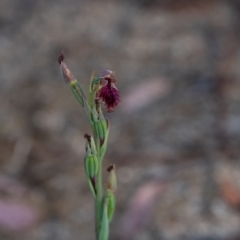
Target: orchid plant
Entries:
(102, 91)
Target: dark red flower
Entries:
(108, 93)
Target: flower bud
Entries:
(112, 179)
(90, 145)
(71, 81)
(91, 166)
(67, 75)
(111, 204)
(91, 161)
(101, 130)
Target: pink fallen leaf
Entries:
(140, 208)
(16, 216)
(144, 94)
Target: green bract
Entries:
(111, 204)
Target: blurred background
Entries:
(175, 137)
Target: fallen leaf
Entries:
(144, 94)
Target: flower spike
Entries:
(102, 90)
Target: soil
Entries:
(175, 137)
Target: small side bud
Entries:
(91, 166)
(111, 204)
(112, 179)
(72, 81)
(66, 73)
(91, 161)
(90, 145)
(102, 130)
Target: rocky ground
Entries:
(175, 137)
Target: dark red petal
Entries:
(110, 96)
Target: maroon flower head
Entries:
(108, 93)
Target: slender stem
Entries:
(99, 197)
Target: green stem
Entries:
(99, 189)
(99, 200)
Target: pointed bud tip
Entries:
(87, 137)
(111, 167)
(112, 179)
(61, 58)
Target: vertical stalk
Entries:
(98, 202)
(99, 196)
(101, 90)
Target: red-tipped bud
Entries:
(112, 179)
(67, 75)
(61, 58)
